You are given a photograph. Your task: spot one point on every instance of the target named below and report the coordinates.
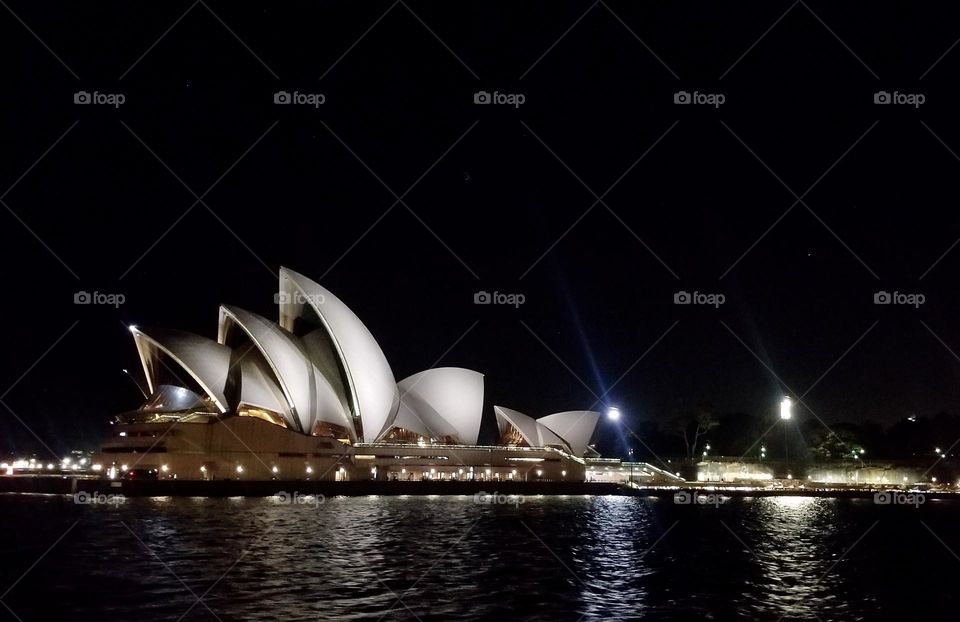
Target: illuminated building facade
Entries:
(312, 396)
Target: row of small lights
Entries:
(65, 464)
(487, 472)
(32, 464)
(239, 468)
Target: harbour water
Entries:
(451, 558)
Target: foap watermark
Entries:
(500, 99)
(498, 298)
(899, 298)
(697, 98)
(97, 498)
(495, 498)
(698, 298)
(85, 98)
(299, 298)
(897, 98)
(98, 298)
(299, 499)
(892, 497)
(297, 98)
(685, 497)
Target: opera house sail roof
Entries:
(570, 431)
(319, 371)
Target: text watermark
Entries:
(698, 298)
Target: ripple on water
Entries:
(443, 558)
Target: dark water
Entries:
(551, 558)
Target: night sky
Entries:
(494, 198)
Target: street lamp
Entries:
(785, 415)
(630, 454)
(785, 409)
(613, 413)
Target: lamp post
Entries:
(613, 414)
(786, 413)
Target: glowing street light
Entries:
(613, 413)
(785, 415)
(785, 409)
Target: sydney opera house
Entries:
(312, 396)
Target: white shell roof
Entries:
(207, 361)
(574, 426)
(310, 396)
(536, 434)
(372, 387)
(259, 388)
(446, 401)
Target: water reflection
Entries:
(617, 539)
(794, 550)
(549, 558)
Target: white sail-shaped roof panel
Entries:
(205, 360)
(442, 402)
(310, 396)
(372, 387)
(535, 434)
(574, 426)
(456, 394)
(259, 388)
(419, 417)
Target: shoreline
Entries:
(266, 488)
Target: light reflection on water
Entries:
(548, 558)
(795, 550)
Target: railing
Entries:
(665, 473)
(488, 448)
